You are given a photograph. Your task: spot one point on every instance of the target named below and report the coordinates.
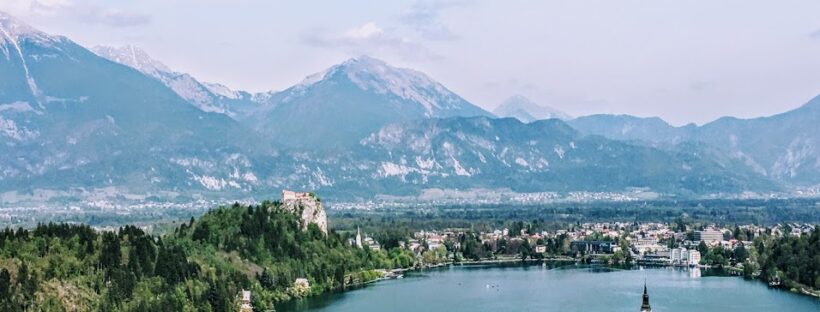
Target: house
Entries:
(301, 283)
(245, 301)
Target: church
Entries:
(645, 305)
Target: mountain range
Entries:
(114, 118)
(783, 147)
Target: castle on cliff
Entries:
(309, 205)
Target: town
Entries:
(606, 243)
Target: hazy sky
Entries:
(685, 61)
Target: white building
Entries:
(679, 256)
(245, 301)
(709, 236)
(694, 257)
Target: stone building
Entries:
(309, 205)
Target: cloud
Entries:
(364, 32)
(425, 18)
(815, 35)
(48, 6)
(86, 13)
(369, 38)
(403, 38)
(112, 17)
(33, 7)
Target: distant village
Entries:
(653, 243)
(643, 243)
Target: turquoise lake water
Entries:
(566, 288)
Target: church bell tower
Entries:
(645, 305)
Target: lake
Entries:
(565, 288)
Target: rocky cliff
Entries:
(308, 205)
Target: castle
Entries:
(310, 206)
(292, 196)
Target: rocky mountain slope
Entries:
(209, 97)
(71, 118)
(339, 106)
(783, 147)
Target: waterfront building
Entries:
(680, 256)
(594, 247)
(643, 245)
(694, 257)
(676, 255)
(684, 257)
(645, 304)
(657, 258)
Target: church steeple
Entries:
(645, 305)
(358, 237)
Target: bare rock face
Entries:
(310, 207)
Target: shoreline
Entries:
(734, 272)
(563, 261)
(492, 263)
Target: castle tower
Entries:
(645, 305)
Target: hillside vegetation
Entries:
(202, 266)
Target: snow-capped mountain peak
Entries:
(371, 74)
(209, 97)
(10, 26)
(222, 90)
(135, 58)
(13, 31)
(350, 100)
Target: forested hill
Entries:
(202, 266)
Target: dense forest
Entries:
(202, 266)
(790, 261)
(556, 215)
